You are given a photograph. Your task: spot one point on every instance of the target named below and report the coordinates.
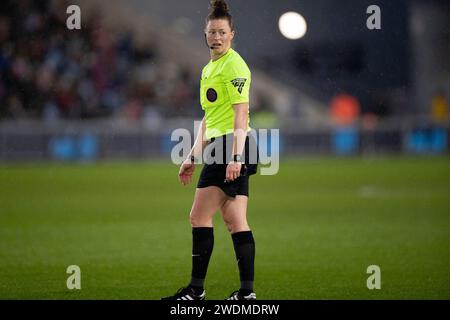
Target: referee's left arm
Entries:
(240, 134)
(240, 127)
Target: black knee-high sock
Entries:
(202, 246)
(244, 247)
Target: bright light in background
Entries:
(292, 25)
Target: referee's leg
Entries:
(234, 213)
(206, 202)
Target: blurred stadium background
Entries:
(364, 128)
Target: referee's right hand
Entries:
(186, 170)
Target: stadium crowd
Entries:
(49, 72)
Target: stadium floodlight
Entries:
(292, 25)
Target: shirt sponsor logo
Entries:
(239, 83)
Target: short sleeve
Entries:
(237, 79)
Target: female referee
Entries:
(223, 184)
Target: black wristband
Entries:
(193, 159)
(237, 158)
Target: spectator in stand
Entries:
(49, 72)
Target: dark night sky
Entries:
(333, 27)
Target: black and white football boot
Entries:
(238, 295)
(186, 293)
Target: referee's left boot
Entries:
(241, 295)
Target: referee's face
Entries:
(219, 35)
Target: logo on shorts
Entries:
(211, 94)
(239, 83)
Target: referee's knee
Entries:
(198, 221)
(229, 227)
(234, 226)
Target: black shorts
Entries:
(213, 174)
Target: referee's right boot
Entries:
(187, 293)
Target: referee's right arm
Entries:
(200, 141)
(188, 166)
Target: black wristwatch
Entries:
(237, 158)
(193, 159)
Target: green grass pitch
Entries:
(318, 224)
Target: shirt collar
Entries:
(225, 55)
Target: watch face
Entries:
(211, 95)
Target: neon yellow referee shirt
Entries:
(224, 82)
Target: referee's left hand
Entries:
(233, 171)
